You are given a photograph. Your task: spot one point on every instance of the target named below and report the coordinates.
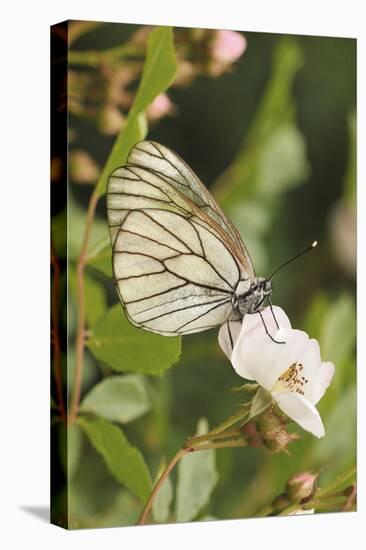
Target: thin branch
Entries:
(221, 445)
(351, 498)
(176, 458)
(188, 447)
(213, 436)
(55, 338)
(93, 58)
(80, 331)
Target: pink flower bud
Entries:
(301, 486)
(228, 46)
(160, 107)
(83, 168)
(250, 428)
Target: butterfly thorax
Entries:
(252, 300)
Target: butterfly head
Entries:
(251, 301)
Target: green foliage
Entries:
(271, 159)
(159, 70)
(341, 481)
(260, 403)
(273, 131)
(76, 217)
(118, 398)
(197, 477)
(351, 173)
(340, 319)
(95, 297)
(126, 348)
(108, 479)
(102, 260)
(164, 498)
(70, 443)
(339, 446)
(124, 462)
(283, 162)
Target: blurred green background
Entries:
(272, 135)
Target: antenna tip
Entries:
(314, 244)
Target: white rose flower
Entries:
(292, 371)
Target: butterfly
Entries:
(179, 264)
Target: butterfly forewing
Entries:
(177, 259)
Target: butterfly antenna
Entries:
(313, 245)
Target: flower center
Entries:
(291, 380)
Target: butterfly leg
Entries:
(267, 332)
(273, 315)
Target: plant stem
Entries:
(187, 448)
(55, 314)
(220, 445)
(176, 458)
(80, 331)
(264, 512)
(94, 58)
(229, 421)
(290, 509)
(219, 435)
(351, 499)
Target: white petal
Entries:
(318, 374)
(259, 358)
(302, 411)
(228, 334)
(311, 363)
(253, 321)
(325, 377)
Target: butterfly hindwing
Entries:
(175, 266)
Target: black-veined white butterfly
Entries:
(179, 263)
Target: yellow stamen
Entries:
(291, 380)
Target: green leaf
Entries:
(102, 261)
(197, 476)
(118, 398)
(90, 374)
(70, 443)
(159, 68)
(95, 297)
(339, 443)
(158, 72)
(338, 333)
(76, 221)
(124, 462)
(316, 313)
(339, 483)
(116, 342)
(282, 163)
(272, 132)
(261, 401)
(351, 173)
(163, 500)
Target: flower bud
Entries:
(228, 46)
(280, 441)
(269, 424)
(250, 428)
(160, 107)
(280, 503)
(301, 486)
